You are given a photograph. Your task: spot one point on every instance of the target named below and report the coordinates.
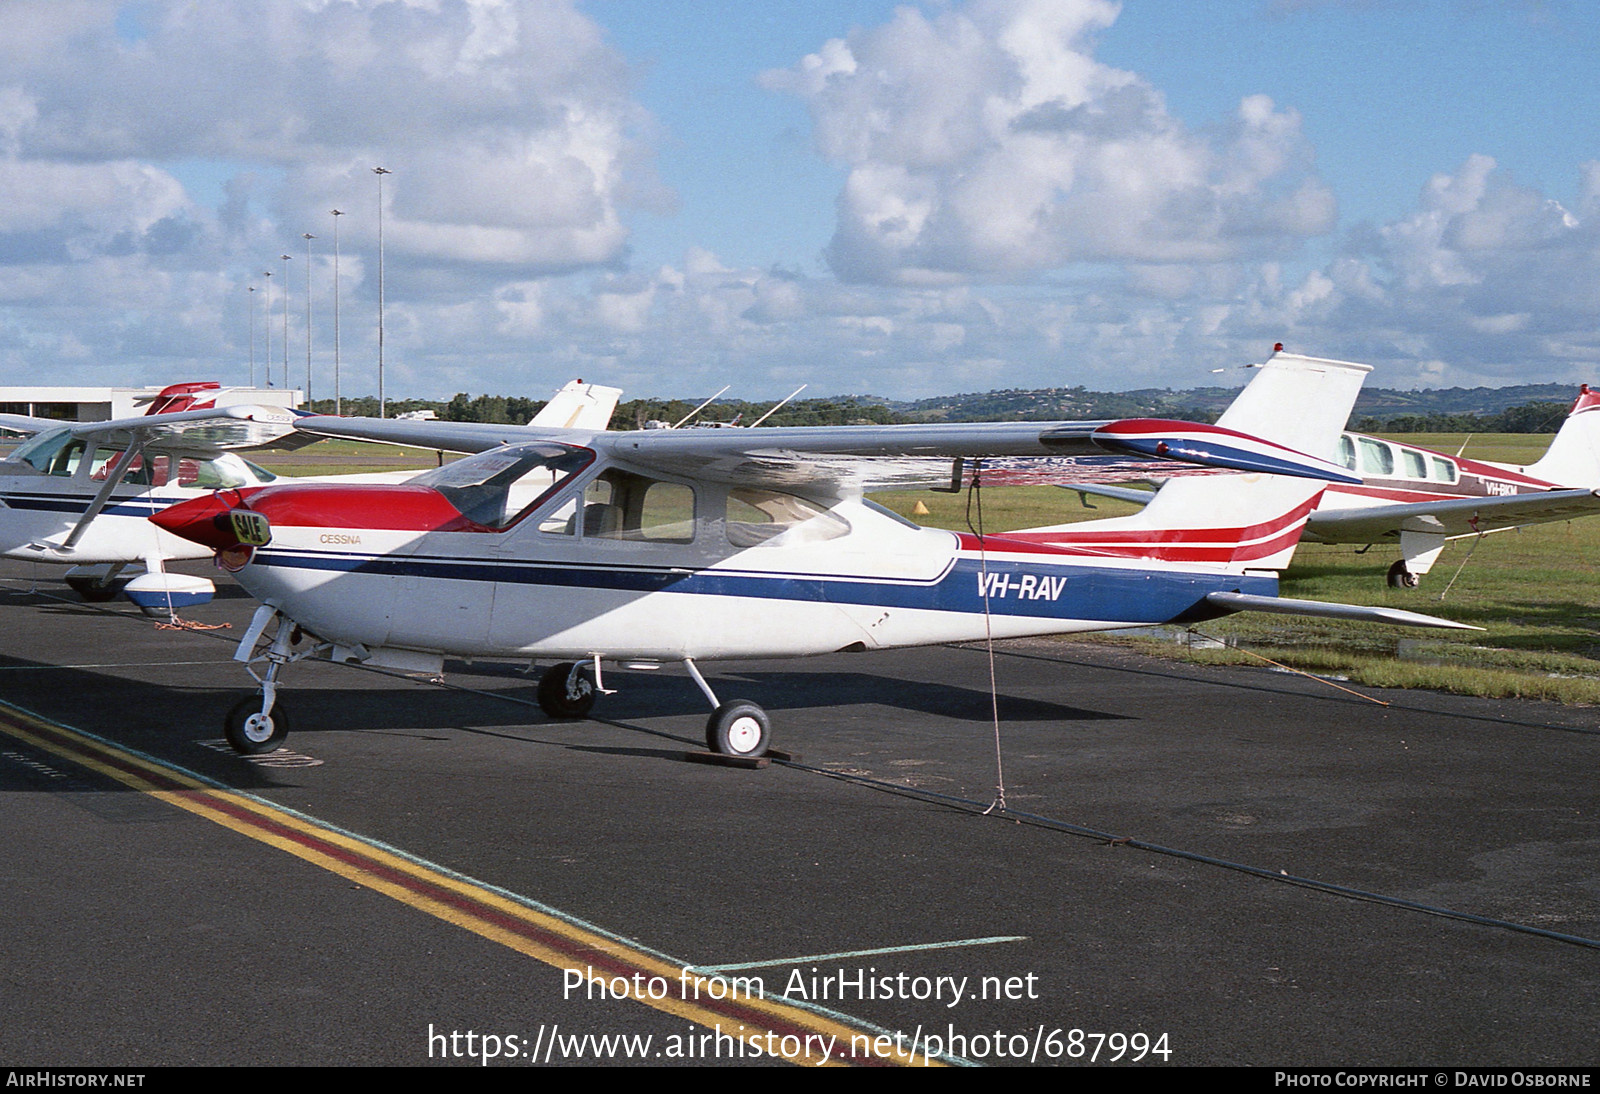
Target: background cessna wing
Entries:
(696, 545)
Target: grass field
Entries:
(1536, 591)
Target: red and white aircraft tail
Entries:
(1241, 522)
(200, 395)
(1574, 456)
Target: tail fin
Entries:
(1574, 456)
(579, 406)
(1299, 402)
(1237, 522)
(201, 395)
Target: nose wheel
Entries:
(250, 729)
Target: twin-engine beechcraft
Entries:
(1421, 499)
(638, 548)
(80, 494)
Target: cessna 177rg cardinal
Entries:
(80, 493)
(694, 545)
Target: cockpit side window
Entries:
(56, 452)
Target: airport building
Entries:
(100, 404)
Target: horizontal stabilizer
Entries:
(1245, 602)
(1451, 517)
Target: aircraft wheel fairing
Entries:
(249, 731)
(564, 693)
(739, 728)
(1402, 578)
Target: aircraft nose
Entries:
(219, 521)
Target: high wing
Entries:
(1450, 517)
(849, 459)
(1292, 397)
(203, 434)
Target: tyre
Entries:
(249, 731)
(93, 591)
(1402, 578)
(565, 694)
(739, 728)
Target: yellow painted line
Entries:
(539, 932)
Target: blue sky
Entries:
(900, 199)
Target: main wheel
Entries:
(95, 592)
(1402, 578)
(738, 728)
(565, 694)
(249, 731)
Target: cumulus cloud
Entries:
(987, 140)
(509, 126)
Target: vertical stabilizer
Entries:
(579, 406)
(1299, 402)
(1574, 456)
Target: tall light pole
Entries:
(252, 336)
(286, 259)
(268, 324)
(337, 407)
(308, 237)
(382, 402)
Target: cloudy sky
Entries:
(902, 198)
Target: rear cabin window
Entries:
(1443, 470)
(759, 518)
(1377, 458)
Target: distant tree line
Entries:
(1046, 405)
(1530, 418)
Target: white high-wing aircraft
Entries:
(80, 493)
(1421, 499)
(693, 545)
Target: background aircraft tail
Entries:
(201, 395)
(1239, 522)
(1574, 456)
(579, 406)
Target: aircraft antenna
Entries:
(775, 407)
(699, 408)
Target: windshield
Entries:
(496, 488)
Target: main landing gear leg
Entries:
(736, 728)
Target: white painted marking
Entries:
(818, 957)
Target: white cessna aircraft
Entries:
(80, 493)
(693, 545)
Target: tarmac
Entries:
(1191, 866)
